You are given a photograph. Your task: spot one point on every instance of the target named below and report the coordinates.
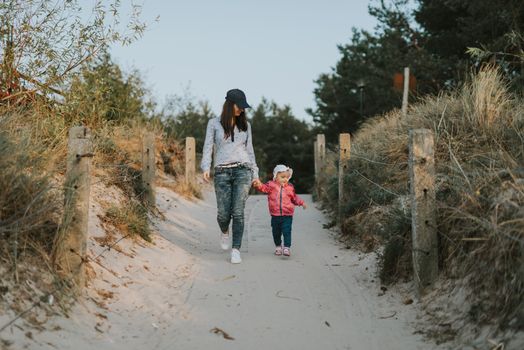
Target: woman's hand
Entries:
(206, 176)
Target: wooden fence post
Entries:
(344, 142)
(190, 160)
(148, 168)
(406, 92)
(70, 252)
(315, 153)
(321, 144)
(423, 205)
(320, 156)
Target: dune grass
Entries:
(479, 157)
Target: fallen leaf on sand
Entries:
(217, 330)
(285, 296)
(97, 327)
(389, 316)
(101, 315)
(228, 278)
(327, 323)
(106, 294)
(408, 301)
(100, 304)
(6, 343)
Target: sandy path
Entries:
(324, 296)
(171, 294)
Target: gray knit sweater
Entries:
(227, 151)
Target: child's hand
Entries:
(256, 183)
(304, 206)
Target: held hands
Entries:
(304, 206)
(206, 176)
(256, 183)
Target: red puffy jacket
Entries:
(281, 199)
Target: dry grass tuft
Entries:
(32, 159)
(34, 208)
(118, 158)
(479, 156)
(33, 149)
(30, 199)
(130, 218)
(178, 185)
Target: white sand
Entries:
(171, 294)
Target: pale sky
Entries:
(270, 48)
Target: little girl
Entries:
(281, 201)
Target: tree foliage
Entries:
(361, 83)
(44, 41)
(183, 117)
(103, 93)
(433, 39)
(451, 27)
(280, 138)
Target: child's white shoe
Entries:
(286, 251)
(278, 250)
(235, 256)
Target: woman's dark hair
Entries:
(226, 119)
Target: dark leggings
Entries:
(281, 226)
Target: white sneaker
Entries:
(235, 256)
(224, 241)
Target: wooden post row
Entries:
(344, 142)
(190, 160)
(148, 167)
(422, 191)
(71, 252)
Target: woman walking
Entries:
(235, 167)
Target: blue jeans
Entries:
(232, 189)
(281, 226)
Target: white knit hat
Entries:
(280, 168)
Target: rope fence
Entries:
(421, 168)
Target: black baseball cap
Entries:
(238, 97)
